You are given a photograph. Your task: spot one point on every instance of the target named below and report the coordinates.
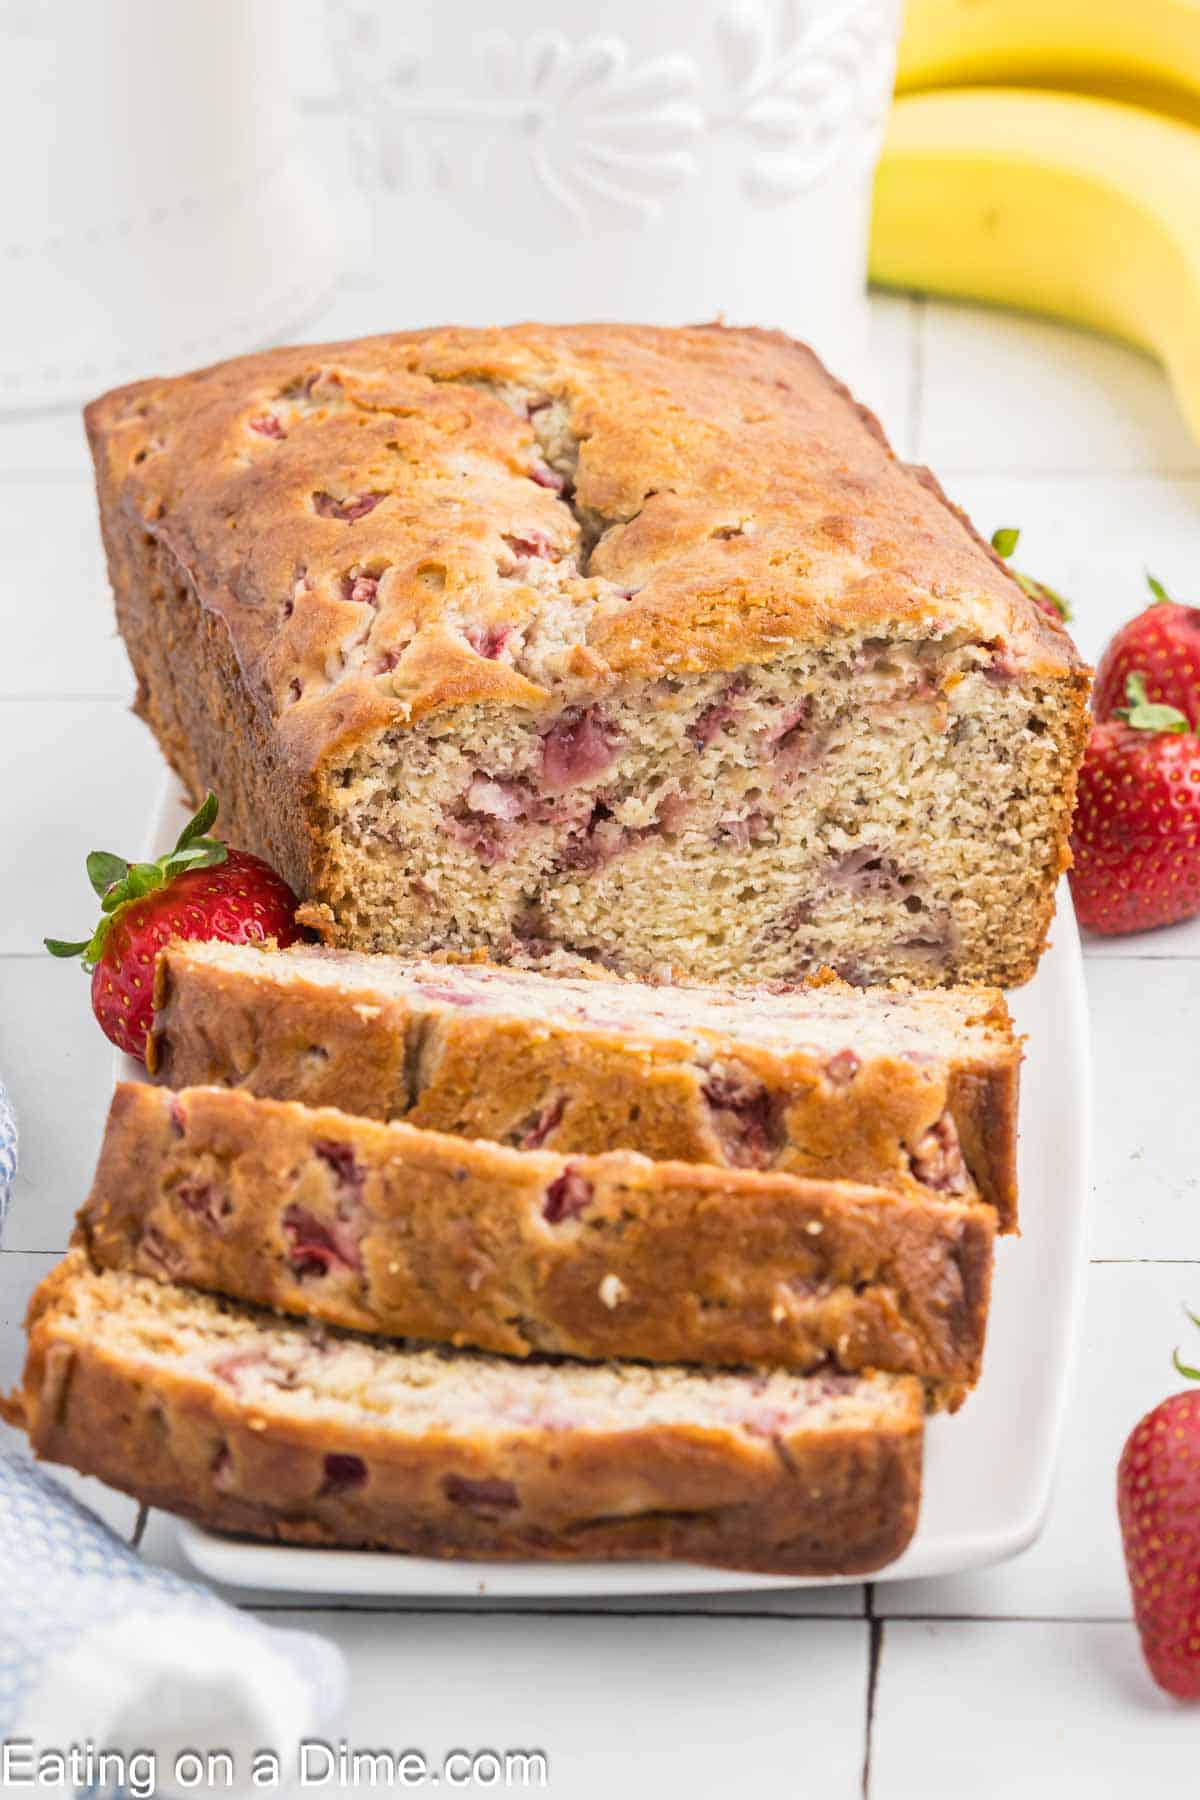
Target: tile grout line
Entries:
(916, 378)
(968, 1618)
(46, 698)
(1103, 958)
(501, 1609)
(875, 1627)
(122, 699)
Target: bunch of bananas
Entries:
(1046, 154)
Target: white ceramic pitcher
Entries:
(156, 213)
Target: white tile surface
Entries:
(1004, 392)
(702, 1708)
(78, 776)
(891, 387)
(60, 1078)
(61, 639)
(1132, 1322)
(19, 1275)
(1033, 1710)
(47, 445)
(1145, 1170)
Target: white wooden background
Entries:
(1024, 1679)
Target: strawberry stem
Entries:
(199, 825)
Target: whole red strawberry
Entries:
(1136, 836)
(200, 889)
(1158, 1505)
(1163, 644)
(1004, 542)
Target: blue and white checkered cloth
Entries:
(8, 1152)
(99, 1647)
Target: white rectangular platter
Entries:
(987, 1470)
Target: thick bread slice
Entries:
(252, 1425)
(388, 1229)
(903, 1088)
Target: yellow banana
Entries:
(1080, 208)
(1146, 51)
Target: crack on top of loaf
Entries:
(536, 612)
(558, 447)
(544, 643)
(531, 556)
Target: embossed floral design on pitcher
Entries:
(602, 135)
(803, 86)
(599, 137)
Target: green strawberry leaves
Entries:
(104, 870)
(198, 827)
(1185, 1369)
(1004, 541)
(1157, 589)
(117, 883)
(1145, 714)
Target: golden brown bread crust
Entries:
(479, 1076)
(830, 1500)
(740, 503)
(391, 1230)
(685, 434)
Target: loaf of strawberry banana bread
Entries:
(278, 1431)
(637, 641)
(407, 1233)
(910, 1089)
